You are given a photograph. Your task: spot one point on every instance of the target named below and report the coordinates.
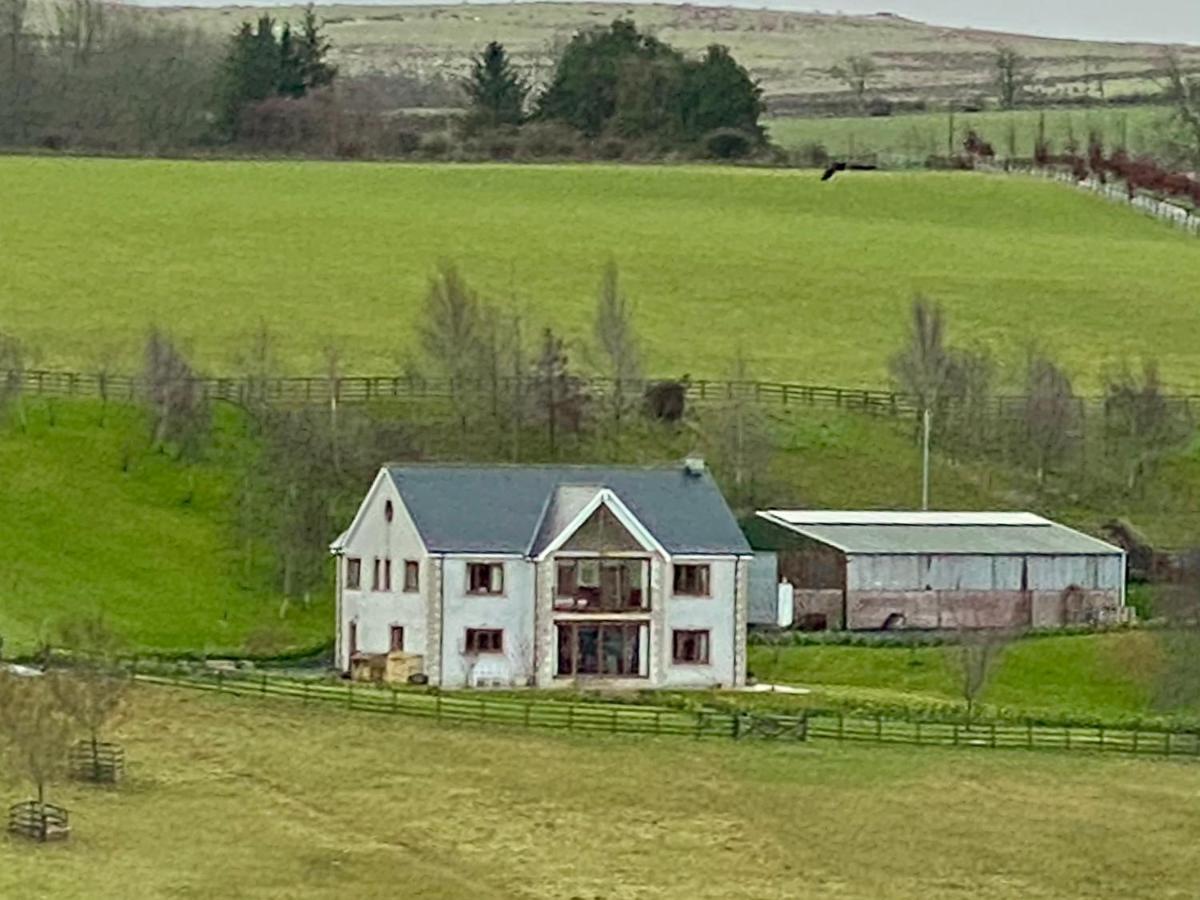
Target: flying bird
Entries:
(836, 167)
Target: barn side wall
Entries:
(872, 609)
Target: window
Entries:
(412, 575)
(689, 647)
(599, 649)
(484, 640)
(691, 580)
(352, 639)
(485, 578)
(396, 638)
(388, 511)
(608, 585)
(381, 576)
(353, 572)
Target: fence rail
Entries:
(617, 718)
(355, 389)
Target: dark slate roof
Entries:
(498, 509)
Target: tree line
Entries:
(116, 79)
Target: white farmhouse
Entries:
(547, 575)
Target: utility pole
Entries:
(926, 417)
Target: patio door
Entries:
(599, 649)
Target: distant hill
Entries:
(791, 52)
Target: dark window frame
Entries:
(691, 580)
(412, 576)
(393, 644)
(353, 573)
(389, 511)
(483, 641)
(472, 567)
(702, 646)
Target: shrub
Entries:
(435, 146)
(405, 142)
(547, 139)
(727, 143)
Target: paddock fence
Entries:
(360, 389)
(608, 717)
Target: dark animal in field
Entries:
(836, 167)
(666, 401)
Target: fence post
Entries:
(737, 726)
(394, 700)
(482, 709)
(305, 692)
(878, 728)
(918, 726)
(263, 686)
(1100, 729)
(350, 695)
(1029, 733)
(658, 721)
(220, 681)
(1067, 735)
(438, 707)
(699, 723)
(841, 726)
(954, 733)
(1135, 739)
(528, 711)
(613, 727)
(993, 735)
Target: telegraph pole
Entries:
(926, 417)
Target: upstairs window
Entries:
(377, 574)
(691, 580)
(412, 576)
(484, 640)
(381, 576)
(485, 578)
(387, 574)
(353, 573)
(689, 647)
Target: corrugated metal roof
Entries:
(987, 534)
(500, 509)
(885, 517)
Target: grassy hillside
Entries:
(1106, 677)
(914, 138)
(813, 280)
(791, 52)
(368, 803)
(91, 520)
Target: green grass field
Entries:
(242, 798)
(1105, 677)
(151, 547)
(914, 138)
(813, 280)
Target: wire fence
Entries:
(617, 718)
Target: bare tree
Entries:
(177, 403)
(1183, 92)
(557, 391)
(924, 365)
(12, 374)
(620, 349)
(35, 733)
(452, 337)
(16, 63)
(977, 655)
(858, 73)
(1049, 413)
(1012, 76)
(1178, 667)
(93, 691)
(740, 440)
(1140, 422)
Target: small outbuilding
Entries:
(930, 570)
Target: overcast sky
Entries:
(1113, 20)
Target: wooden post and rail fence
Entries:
(617, 718)
(358, 389)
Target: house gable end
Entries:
(381, 486)
(605, 518)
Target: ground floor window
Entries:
(484, 640)
(690, 647)
(599, 648)
(396, 638)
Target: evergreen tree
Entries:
(719, 93)
(496, 92)
(260, 65)
(587, 80)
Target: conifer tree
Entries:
(495, 90)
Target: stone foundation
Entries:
(827, 603)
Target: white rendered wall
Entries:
(512, 612)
